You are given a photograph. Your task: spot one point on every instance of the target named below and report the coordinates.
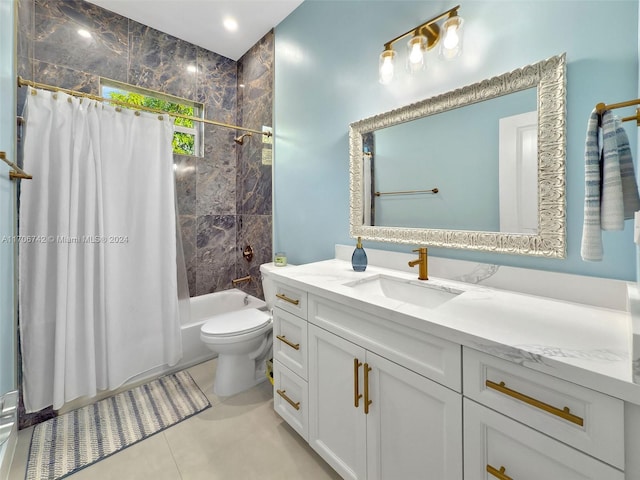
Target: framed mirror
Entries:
(479, 168)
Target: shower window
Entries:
(187, 137)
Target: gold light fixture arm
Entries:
(43, 86)
(17, 172)
(449, 13)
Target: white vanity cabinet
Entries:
(380, 393)
(370, 418)
(521, 424)
(290, 393)
(498, 448)
(412, 427)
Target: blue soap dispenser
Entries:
(359, 258)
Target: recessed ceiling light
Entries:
(84, 33)
(230, 24)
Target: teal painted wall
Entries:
(326, 78)
(7, 194)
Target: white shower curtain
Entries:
(97, 252)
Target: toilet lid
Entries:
(236, 322)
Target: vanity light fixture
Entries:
(423, 38)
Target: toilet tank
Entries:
(267, 283)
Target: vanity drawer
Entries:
(291, 299)
(429, 356)
(583, 418)
(493, 441)
(290, 341)
(291, 398)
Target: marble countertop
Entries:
(587, 345)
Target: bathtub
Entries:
(202, 308)
(193, 349)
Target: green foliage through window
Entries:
(185, 134)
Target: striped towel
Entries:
(630, 197)
(611, 192)
(591, 249)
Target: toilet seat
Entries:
(238, 322)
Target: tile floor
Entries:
(239, 437)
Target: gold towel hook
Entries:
(17, 172)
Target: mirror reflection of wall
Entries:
(457, 152)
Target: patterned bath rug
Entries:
(68, 443)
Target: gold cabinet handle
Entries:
(356, 394)
(282, 338)
(565, 413)
(367, 402)
(283, 394)
(282, 296)
(498, 473)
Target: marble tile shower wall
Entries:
(253, 175)
(224, 198)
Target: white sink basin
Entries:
(416, 292)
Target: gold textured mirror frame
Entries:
(550, 240)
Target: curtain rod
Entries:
(22, 82)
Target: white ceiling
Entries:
(201, 21)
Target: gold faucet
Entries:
(423, 274)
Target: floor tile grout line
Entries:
(173, 457)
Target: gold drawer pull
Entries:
(282, 338)
(498, 473)
(367, 402)
(565, 413)
(282, 393)
(356, 394)
(282, 296)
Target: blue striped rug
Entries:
(75, 440)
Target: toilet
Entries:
(243, 341)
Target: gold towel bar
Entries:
(602, 107)
(17, 172)
(564, 413)
(407, 192)
(635, 117)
